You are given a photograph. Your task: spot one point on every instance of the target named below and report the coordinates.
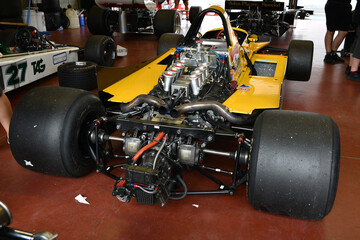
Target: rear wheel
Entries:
(98, 21)
(52, 20)
(167, 41)
(300, 57)
(193, 12)
(49, 130)
(294, 164)
(49, 6)
(101, 50)
(167, 21)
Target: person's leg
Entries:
(348, 67)
(354, 64)
(5, 113)
(354, 74)
(355, 58)
(329, 36)
(186, 3)
(328, 46)
(176, 4)
(335, 45)
(338, 40)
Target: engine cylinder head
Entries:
(201, 76)
(169, 78)
(195, 84)
(176, 71)
(180, 67)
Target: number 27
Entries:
(13, 70)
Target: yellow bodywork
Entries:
(258, 92)
(253, 92)
(140, 82)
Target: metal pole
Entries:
(28, 16)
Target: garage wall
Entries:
(63, 3)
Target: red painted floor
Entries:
(45, 203)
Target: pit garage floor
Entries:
(45, 203)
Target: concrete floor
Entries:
(46, 203)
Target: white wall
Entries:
(316, 5)
(65, 3)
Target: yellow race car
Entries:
(204, 96)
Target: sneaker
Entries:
(336, 57)
(328, 59)
(353, 76)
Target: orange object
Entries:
(150, 145)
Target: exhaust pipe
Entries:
(143, 98)
(216, 107)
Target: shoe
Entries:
(336, 57)
(328, 59)
(347, 70)
(353, 76)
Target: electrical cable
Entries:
(150, 145)
(185, 189)
(146, 191)
(160, 149)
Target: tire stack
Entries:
(53, 13)
(10, 11)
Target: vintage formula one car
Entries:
(156, 120)
(258, 17)
(28, 56)
(127, 16)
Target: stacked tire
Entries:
(99, 50)
(53, 13)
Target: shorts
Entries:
(355, 47)
(338, 16)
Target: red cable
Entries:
(150, 145)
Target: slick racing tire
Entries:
(193, 12)
(49, 130)
(300, 57)
(101, 50)
(98, 21)
(167, 21)
(49, 6)
(167, 41)
(52, 20)
(81, 75)
(294, 164)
